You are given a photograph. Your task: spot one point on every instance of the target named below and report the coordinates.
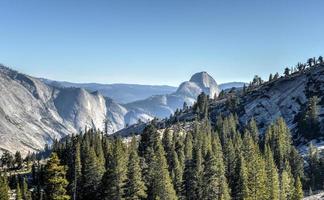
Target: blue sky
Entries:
(158, 42)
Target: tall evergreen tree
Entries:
(296, 162)
(77, 173)
(299, 194)
(242, 191)
(55, 181)
(188, 146)
(18, 192)
(278, 137)
(214, 180)
(309, 126)
(147, 140)
(313, 170)
(272, 180)
(91, 173)
(270, 77)
(146, 149)
(188, 187)
(176, 173)
(230, 162)
(134, 187)
(197, 170)
(179, 146)
(161, 184)
(4, 188)
(25, 191)
(168, 147)
(255, 169)
(253, 128)
(285, 186)
(18, 160)
(114, 178)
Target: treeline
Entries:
(298, 68)
(257, 81)
(206, 163)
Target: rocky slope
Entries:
(33, 113)
(286, 97)
(28, 117)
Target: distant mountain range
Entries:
(226, 86)
(35, 111)
(127, 93)
(121, 93)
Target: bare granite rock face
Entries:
(33, 113)
(286, 97)
(318, 196)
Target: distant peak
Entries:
(199, 82)
(199, 74)
(203, 79)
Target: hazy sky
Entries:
(158, 41)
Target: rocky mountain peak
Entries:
(203, 79)
(199, 82)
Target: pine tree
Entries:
(176, 173)
(272, 180)
(7, 159)
(147, 140)
(229, 159)
(296, 162)
(188, 186)
(25, 192)
(314, 172)
(134, 187)
(161, 184)
(3, 188)
(255, 169)
(168, 147)
(214, 180)
(299, 194)
(188, 146)
(18, 192)
(252, 127)
(18, 160)
(55, 181)
(179, 155)
(276, 76)
(270, 77)
(114, 177)
(77, 173)
(91, 173)
(285, 186)
(278, 137)
(197, 170)
(146, 150)
(286, 72)
(242, 190)
(201, 106)
(309, 127)
(205, 137)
